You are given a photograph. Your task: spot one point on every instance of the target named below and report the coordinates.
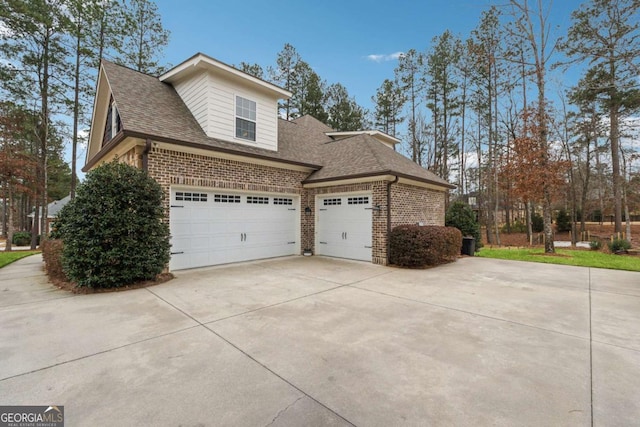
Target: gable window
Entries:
(113, 123)
(245, 118)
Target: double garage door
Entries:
(343, 226)
(217, 227)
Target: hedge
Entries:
(420, 246)
(52, 256)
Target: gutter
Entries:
(389, 184)
(145, 155)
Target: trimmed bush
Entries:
(462, 217)
(619, 246)
(416, 246)
(114, 231)
(21, 238)
(52, 256)
(563, 221)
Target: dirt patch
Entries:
(71, 287)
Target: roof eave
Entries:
(446, 186)
(133, 134)
(200, 60)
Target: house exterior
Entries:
(240, 183)
(53, 209)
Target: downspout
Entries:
(145, 155)
(389, 184)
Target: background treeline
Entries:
(50, 51)
(476, 110)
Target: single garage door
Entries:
(344, 226)
(219, 227)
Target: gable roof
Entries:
(150, 108)
(362, 155)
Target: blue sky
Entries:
(334, 37)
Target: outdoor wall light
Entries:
(307, 210)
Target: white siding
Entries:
(194, 94)
(211, 99)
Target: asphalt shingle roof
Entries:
(149, 107)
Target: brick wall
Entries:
(411, 205)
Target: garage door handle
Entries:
(291, 243)
(323, 243)
(368, 247)
(177, 253)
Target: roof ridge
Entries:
(126, 67)
(368, 139)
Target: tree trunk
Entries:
(615, 167)
(9, 214)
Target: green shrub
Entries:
(563, 221)
(537, 223)
(113, 231)
(595, 245)
(462, 217)
(416, 246)
(52, 256)
(596, 215)
(516, 227)
(619, 245)
(21, 238)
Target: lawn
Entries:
(9, 257)
(565, 257)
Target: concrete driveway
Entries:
(316, 341)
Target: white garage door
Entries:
(217, 227)
(344, 226)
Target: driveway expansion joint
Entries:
(200, 324)
(444, 307)
(44, 368)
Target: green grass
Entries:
(593, 259)
(9, 257)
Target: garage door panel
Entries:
(219, 227)
(344, 226)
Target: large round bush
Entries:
(462, 217)
(113, 231)
(419, 246)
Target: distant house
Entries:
(242, 184)
(53, 209)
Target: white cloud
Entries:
(384, 57)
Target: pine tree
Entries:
(389, 101)
(31, 70)
(145, 39)
(606, 35)
(344, 113)
(284, 75)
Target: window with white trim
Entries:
(226, 198)
(358, 200)
(331, 202)
(282, 201)
(245, 118)
(191, 197)
(256, 200)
